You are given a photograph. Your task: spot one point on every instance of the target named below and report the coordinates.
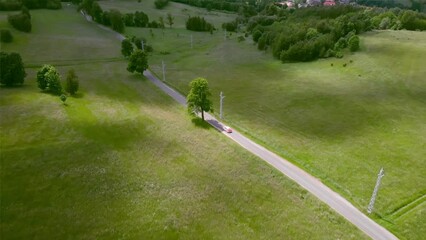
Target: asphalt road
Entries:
(310, 183)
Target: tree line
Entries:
(247, 8)
(30, 4)
(118, 21)
(199, 24)
(320, 32)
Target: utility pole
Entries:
(143, 46)
(225, 34)
(164, 71)
(376, 189)
(221, 104)
(191, 41)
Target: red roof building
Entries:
(329, 3)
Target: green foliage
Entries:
(126, 47)
(353, 43)
(36, 4)
(159, 4)
(141, 19)
(170, 19)
(21, 22)
(72, 83)
(138, 62)
(25, 11)
(230, 26)
(96, 12)
(198, 24)
(116, 18)
(245, 9)
(256, 35)
(48, 79)
(341, 44)
(198, 98)
(6, 36)
(12, 71)
(312, 33)
(261, 43)
(161, 22)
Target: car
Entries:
(227, 129)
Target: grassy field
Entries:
(180, 12)
(124, 161)
(342, 124)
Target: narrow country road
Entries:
(310, 183)
(313, 185)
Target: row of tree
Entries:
(48, 78)
(118, 21)
(198, 24)
(246, 8)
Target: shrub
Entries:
(353, 43)
(12, 69)
(6, 36)
(198, 24)
(159, 4)
(20, 21)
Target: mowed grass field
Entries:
(341, 124)
(124, 161)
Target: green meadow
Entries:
(122, 160)
(339, 119)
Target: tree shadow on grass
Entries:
(77, 95)
(13, 86)
(200, 123)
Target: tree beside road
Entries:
(198, 97)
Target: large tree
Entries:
(12, 70)
(138, 62)
(48, 79)
(198, 97)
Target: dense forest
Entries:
(306, 34)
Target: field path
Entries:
(308, 182)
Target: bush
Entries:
(353, 43)
(6, 36)
(20, 21)
(12, 69)
(159, 4)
